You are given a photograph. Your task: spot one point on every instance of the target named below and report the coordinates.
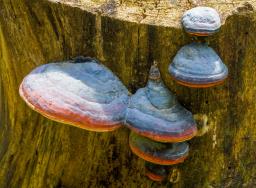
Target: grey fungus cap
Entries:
(197, 65)
(157, 152)
(201, 21)
(154, 112)
(83, 93)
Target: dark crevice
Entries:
(50, 16)
(33, 16)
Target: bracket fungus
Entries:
(156, 172)
(157, 152)
(201, 21)
(154, 112)
(80, 92)
(197, 65)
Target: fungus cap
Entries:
(157, 152)
(201, 21)
(82, 93)
(155, 113)
(197, 65)
(156, 172)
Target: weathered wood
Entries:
(36, 152)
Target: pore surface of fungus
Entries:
(82, 92)
(197, 65)
(154, 112)
(157, 152)
(201, 21)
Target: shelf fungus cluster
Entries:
(86, 94)
(159, 127)
(198, 65)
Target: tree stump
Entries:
(126, 36)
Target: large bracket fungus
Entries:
(201, 21)
(81, 92)
(197, 65)
(154, 112)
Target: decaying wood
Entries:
(126, 36)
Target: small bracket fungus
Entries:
(156, 172)
(80, 92)
(201, 21)
(157, 152)
(154, 112)
(197, 65)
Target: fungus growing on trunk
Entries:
(156, 172)
(201, 21)
(197, 65)
(157, 152)
(154, 112)
(81, 92)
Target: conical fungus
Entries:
(154, 112)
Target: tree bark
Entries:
(126, 36)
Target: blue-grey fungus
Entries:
(154, 112)
(157, 152)
(81, 92)
(197, 65)
(201, 21)
(156, 172)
